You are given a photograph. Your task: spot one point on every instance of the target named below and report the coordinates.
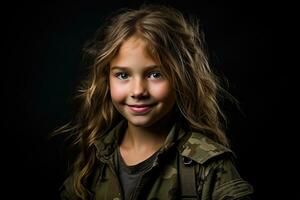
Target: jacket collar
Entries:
(200, 148)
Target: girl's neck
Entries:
(139, 143)
(151, 138)
(139, 138)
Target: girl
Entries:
(148, 121)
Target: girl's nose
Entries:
(139, 89)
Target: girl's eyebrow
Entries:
(149, 67)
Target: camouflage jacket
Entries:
(215, 173)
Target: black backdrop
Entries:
(41, 71)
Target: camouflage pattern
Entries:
(216, 174)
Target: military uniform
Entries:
(212, 164)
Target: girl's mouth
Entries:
(140, 109)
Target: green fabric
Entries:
(218, 180)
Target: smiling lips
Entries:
(140, 109)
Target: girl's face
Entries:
(139, 90)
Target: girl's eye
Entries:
(122, 75)
(154, 75)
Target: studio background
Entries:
(42, 70)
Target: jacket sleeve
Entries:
(221, 181)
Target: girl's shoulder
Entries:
(216, 163)
(201, 148)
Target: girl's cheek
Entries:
(117, 92)
(162, 91)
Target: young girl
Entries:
(148, 122)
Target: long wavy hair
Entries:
(177, 45)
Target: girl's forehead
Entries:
(134, 43)
(134, 51)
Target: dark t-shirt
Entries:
(130, 175)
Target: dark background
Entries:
(41, 71)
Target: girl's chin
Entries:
(140, 123)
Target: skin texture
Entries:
(142, 94)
